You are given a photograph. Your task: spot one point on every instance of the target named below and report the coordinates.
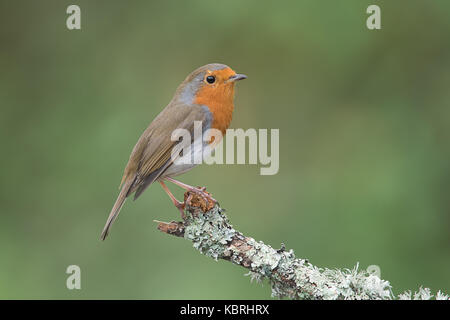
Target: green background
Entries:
(364, 141)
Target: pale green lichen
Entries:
(209, 232)
(254, 276)
(213, 235)
(422, 294)
(441, 296)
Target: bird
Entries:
(205, 96)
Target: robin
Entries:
(206, 95)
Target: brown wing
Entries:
(152, 153)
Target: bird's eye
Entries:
(210, 79)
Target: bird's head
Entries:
(210, 85)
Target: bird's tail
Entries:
(116, 209)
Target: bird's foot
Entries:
(201, 191)
(199, 197)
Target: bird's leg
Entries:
(201, 191)
(178, 204)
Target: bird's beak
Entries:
(237, 77)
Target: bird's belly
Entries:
(177, 169)
(198, 151)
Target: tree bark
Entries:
(210, 231)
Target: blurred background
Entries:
(364, 119)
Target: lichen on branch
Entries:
(211, 233)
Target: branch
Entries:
(211, 233)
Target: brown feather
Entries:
(116, 208)
(152, 151)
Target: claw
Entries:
(199, 197)
(201, 191)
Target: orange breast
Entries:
(219, 99)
